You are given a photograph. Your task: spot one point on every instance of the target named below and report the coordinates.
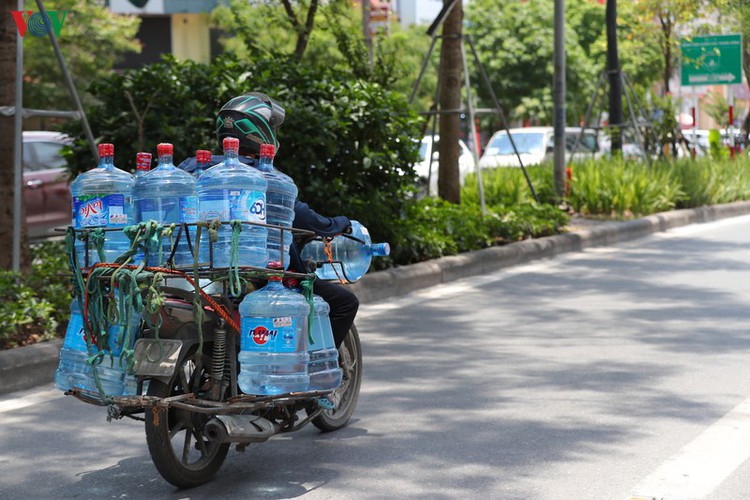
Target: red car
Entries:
(46, 190)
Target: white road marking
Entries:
(30, 400)
(704, 463)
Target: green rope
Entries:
(197, 304)
(236, 284)
(97, 237)
(213, 230)
(307, 292)
(166, 232)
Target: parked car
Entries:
(428, 167)
(535, 145)
(46, 192)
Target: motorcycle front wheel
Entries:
(345, 397)
(178, 448)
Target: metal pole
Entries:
(500, 113)
(472, 127)
(366, 30)
(422, 69)
(559, 98)
(18, 154)
(69, 83)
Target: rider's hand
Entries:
(348, 229)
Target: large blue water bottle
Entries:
(323, 367)
(74, 372)
(167, 195)
(102, 197)
(273, 343)
(119, 340)
(279, 207)
(232, 191)
(351, 254)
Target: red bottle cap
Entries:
(143, 161)
(203, 156)
(165, 148)
(267, 150)
(231, 144)
(106, 149)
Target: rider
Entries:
(253, 119)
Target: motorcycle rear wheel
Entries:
(180, 452)
(345, 397)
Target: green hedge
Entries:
(36, 307)
(619, 188)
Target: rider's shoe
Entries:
(326, 403)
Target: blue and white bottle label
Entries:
(101, 210)
(250, 206)
(74, 334)
(269, 334)
(189, 209)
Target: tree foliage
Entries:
(514, 41)
(348, 144)
(260, 30)
(92, 39)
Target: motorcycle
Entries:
(186, 365)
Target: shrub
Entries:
(432, 228)
(621, 188)
(36, 307)
(706, 181)
(508, 186)
(347, 143)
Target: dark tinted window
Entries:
(587, 143)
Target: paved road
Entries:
(614, 373)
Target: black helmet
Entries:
(252, 118)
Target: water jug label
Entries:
(74, 334)
(284, 321)
(252, 206)
(189, 209)
(100, 210)
(263, 334)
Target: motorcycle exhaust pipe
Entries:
(240, 429)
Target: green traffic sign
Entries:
(712, 60)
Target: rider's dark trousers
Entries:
(343, 303)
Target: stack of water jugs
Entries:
(275, 356)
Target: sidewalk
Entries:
(33, 365)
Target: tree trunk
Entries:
(8, 36)
(450, 100)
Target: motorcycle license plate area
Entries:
(156, 357)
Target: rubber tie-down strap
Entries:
(197, 304)
(328, 249)
(307, 291)
(236, 283)
(97, 237)
(213, 230)
(220, 310)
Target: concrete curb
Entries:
(29, 366)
